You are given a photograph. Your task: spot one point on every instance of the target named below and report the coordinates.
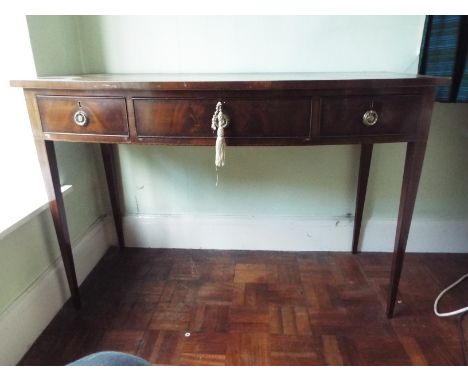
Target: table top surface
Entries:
(231, 81)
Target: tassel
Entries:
(218, 123)
(220, 148)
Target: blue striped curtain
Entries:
(444, 53)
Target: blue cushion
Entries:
(110, 358)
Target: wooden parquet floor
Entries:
(199, 307)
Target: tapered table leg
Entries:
(108, 158)
(412, 173)
(48, 161)
(364, 166)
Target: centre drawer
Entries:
(249, 117)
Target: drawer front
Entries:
(96, 115)
(343, 116)
(249, 118)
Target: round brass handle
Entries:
(80, 118)
(370, 118)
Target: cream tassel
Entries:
(218, 123)
(220, 148)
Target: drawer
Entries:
(83, 115)
(343, 116)
(249, 118)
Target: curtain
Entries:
(444, 53)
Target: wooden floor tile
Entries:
(210, 318)
(215, 293)
(171, 317)
(295, 350)
(248, 348)
(249, 319)
(250, 273)
(331, 351)
(127, 341)
(161, 347)
(205, 344)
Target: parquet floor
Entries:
(259, 308)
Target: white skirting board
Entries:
(30, 314)
(288, 233)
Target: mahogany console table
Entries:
(264, 109)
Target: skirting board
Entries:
(288, 233)
(30, 314)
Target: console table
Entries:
(263, 109)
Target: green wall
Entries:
(256, 180)
(443, 188)
(32, 249)
(26, 253)
(56, 45)
(315, 182)
(204, 44)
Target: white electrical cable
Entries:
(455, 312)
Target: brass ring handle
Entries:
(81, 118)
(370, 118)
